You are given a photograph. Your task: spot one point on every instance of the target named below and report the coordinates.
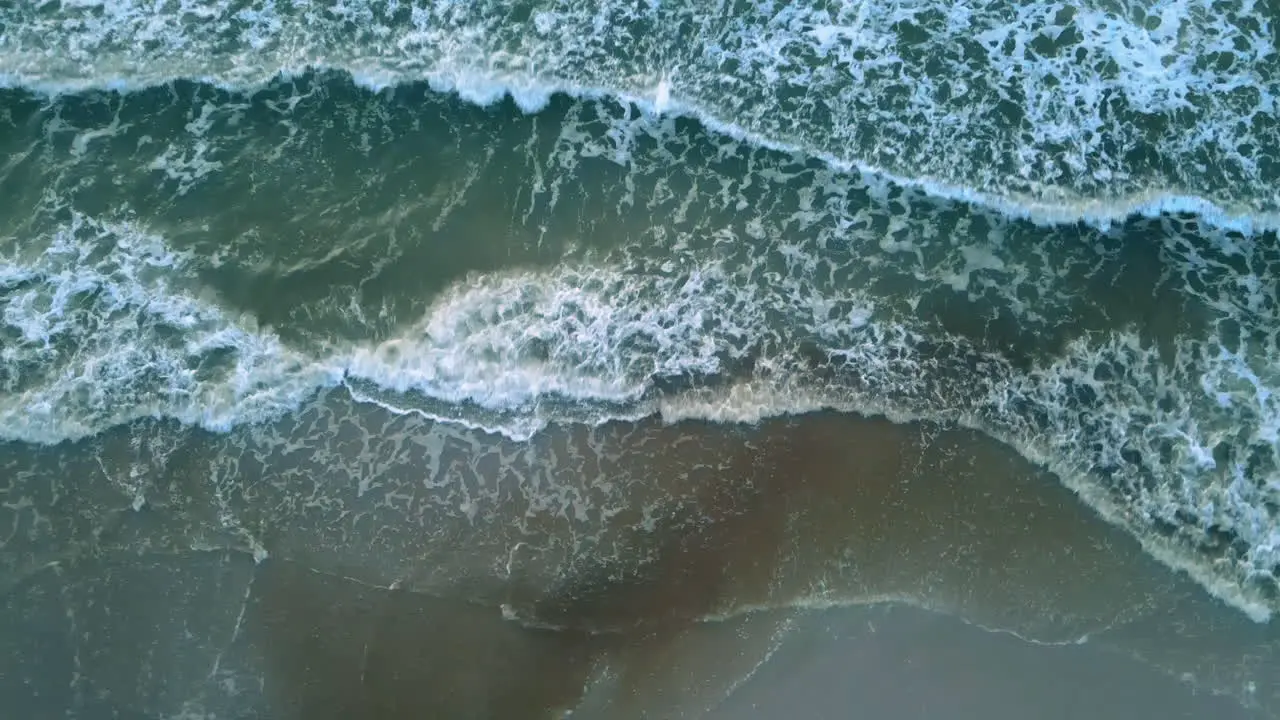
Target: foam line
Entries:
(532, 94)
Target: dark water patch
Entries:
(325, 210)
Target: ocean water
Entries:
(620, 315)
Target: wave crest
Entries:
(1053, 113)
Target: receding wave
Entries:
(108, 337)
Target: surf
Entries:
(713, 314)
(472, 361)
(1045, 173)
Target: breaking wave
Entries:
(100, 330)
(1050, 112)
(1044, 111)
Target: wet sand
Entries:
(903, 663)
(328, 647)
(704, 571)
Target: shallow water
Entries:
(571, 335)
(652, 566)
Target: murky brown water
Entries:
(818, 566)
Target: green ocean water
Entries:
(618, 316)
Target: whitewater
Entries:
(897, 89)
(1087, 122)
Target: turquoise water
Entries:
(510, 258)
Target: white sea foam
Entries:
(1169, 417)
(99, 330)
(502, 341)
(916, 93)
(1073, 445)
